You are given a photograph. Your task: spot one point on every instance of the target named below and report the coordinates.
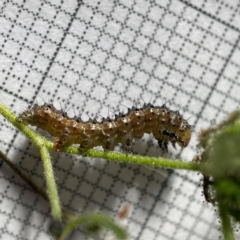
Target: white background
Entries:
(94, 56)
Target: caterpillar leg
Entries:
(86, 144)
(109, 146)
(163, 145)
(61, 142)
(57, 145)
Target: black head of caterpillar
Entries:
(165, 125)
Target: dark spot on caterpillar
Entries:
(170, 134)
(165, 125)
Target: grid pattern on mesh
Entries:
(94, 56)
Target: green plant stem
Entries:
(226, 224)
(40, 144)
(94, 219)
(134, 159)
(51, 183)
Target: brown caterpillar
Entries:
(165, 125)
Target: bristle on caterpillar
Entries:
(165, 125)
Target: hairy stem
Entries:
(226, 224)
(40, 144)
(134, 159)
(51, 183)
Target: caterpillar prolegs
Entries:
(165, 125)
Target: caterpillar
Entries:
(165, 125)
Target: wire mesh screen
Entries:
(92, 56)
